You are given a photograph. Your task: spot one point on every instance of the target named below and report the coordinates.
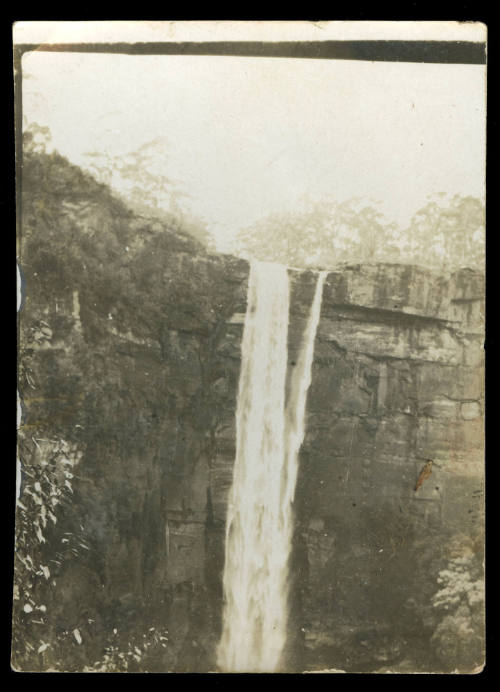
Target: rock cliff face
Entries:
(397, 382)
(130, 348)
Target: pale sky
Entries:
(250, 136)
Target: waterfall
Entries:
(296, 406)
(253, 624)
(268, 439)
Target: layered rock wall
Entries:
(130, 355)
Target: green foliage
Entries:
(46, 637)
(131, 183)
(461, 583)
(77, 235)
(459, 600)
(139, 178)
(446, 234)
(83, 252)
(36, 138)
(323, 234)
(47, 473)
(131, 653)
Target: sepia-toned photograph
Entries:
(251, 288)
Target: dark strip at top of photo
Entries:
(460, 52)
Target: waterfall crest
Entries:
(259, 521)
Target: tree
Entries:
(139, 177)
(448, 233)
(323, 233)
(36, 138)
(138, 174)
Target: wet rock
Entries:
(148, 398)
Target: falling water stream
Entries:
(268, 439)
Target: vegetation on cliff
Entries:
(446, 234)
(94, 270)
(128, 376)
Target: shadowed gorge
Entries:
(130, 362)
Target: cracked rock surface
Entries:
(132, 360)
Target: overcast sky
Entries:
(249, 136)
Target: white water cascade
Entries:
(268, 439)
